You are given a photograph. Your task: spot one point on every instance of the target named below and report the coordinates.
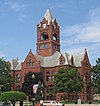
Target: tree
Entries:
(27, 86)
(40, 92)
(67, 81)
(12, 96)
(6, 80)
(96, 77)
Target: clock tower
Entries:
(48, 36)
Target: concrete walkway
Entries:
(82, 104)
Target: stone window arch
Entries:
(44, 36)
(55, 37)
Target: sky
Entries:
(79, 22)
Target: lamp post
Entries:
(34, 88)
(33, 96)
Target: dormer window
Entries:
(62, 60)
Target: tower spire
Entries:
(48, 36)
(48, 16)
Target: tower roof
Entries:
(48, 16)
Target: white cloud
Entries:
(84, 35)
(22, 18)
(89, 31)
(15, 6)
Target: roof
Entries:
(77, 59)
(48, 16)
(53, 60)
(15, 64)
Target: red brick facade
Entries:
(48, 45)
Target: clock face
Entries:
(44, 25)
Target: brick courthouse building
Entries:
(48, 59)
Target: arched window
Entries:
(55, 37)
(49, 89)
(31, 63)
(48, 77)
(44, 36)
(53, 72)
(17, 78)
(47, 73)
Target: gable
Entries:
(30, 60)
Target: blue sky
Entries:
(79, 22)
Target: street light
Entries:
(33, 99)
(34, 89)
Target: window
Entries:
(62, 61)
(53, 72)
(26, 63)
(86, 64)
(49, 89)
(52, 78)
(48, 78)
(47, 73)
(54, 26)
(41, 46)
(31, 63)
(54, 46)
(55, 36)
(46, 46)
(44, 36)
(17, 78)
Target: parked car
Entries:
(5, 104)
(50, 103)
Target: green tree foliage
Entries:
(12, 96)
(96, 77)
(27, 86)
(67, 81)
(40, 92)
(6, 80)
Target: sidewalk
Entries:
(82, 104)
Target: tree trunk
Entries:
(68, 96)
(21, 103)
(13, 103)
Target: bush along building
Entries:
(48, 59)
